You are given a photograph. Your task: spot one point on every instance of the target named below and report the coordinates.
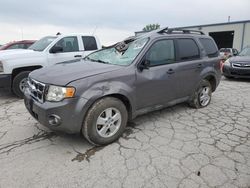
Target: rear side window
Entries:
(209, 47)
(188, 49)
(89, 43)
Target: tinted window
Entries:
(16, 46)
(89, 43)
(161, 52)
(188, 49)
(209, 47)
(68, 44)
(27, 46)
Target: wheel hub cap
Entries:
(23, 84)
(108, 122)
(205, 96)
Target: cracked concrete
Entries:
(174, 147)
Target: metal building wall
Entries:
(241, 32)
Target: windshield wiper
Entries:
(98, 60)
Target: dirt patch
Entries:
(86, 156)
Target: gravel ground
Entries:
(174, 147)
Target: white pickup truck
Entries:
(15, 65)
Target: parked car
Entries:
(228, 52)
(98, 95)
(239, 66)
(23, 44)
(15, 65)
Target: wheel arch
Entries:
(124, 99)
(16, 71)
(212, 80)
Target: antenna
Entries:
(94, 30)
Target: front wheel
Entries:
(105, 121)
(202, 96)
(19, 83)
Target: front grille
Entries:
(37, 90)
(241, 65)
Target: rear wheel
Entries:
(202, 96)
(19, 83)
(105, 121)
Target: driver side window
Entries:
(68, 44)
(161, 53)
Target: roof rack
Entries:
(176, 31)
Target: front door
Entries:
(156, 85)
(70, 50)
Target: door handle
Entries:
(170, 71)
(199, 66)
(78, 56)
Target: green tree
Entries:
(151, 27)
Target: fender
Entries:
(110, 88)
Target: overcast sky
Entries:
(111, 20)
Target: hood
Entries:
(18, 54)
(63, 73)
(245, 59)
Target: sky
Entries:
(110, 20)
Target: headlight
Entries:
(227, 62)
(1, 66)
(57, 93)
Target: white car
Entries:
(15, 65)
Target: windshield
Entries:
(41, 44)
(113, 56)
(245, 52)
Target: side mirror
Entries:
(145, 64)
(56, 49)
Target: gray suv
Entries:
(98, 95)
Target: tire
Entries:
(105, 111)
(18, 82)
(204, 89)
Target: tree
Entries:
(151, 27)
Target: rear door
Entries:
(188, 67)
(70, 46)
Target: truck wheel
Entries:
(19, 83)
(202, 96)
(105, 121)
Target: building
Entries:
(226, 35)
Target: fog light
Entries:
(54, 120)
